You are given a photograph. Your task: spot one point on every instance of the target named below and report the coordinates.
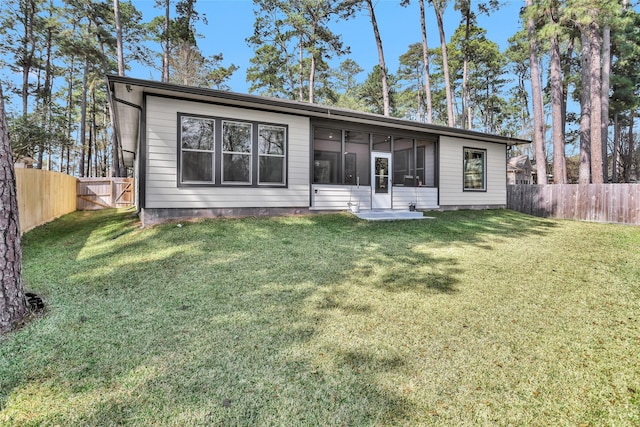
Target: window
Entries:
(474, 169)
(236, 152)
(218, 152)
(271, 154)
(197, 138)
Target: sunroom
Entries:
(372, 168)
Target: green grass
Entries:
(472, 318)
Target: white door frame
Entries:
(381, 185)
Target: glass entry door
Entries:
(381, 180)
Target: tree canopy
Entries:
(568, 80)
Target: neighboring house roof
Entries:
(519, 163)
(26, 160)
(126, 97)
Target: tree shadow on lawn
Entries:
(154, 330)
(231, 326)
(475, 227)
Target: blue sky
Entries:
(230, 22)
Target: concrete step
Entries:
(389, 215)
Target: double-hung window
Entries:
(197, 142)
(271, 151)
(236, 152)
(475, 166)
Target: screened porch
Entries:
(373, 168)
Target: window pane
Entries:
(420, 172)
(357, 160)
(236, 137)
(237, 168)
(382, 175)
(426, 163)
(474, 169)
(326, 156)
(197, 166)
(403, 173)
(271, 170)
(271, 140)
(197, 134)
(350, 168)
(325, 167)
(403, 162)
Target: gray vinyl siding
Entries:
(337, 197)
(162, 190)
(430, 165)
(451, 175)
(423, 197)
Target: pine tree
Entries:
(13, 306)
(536, 96)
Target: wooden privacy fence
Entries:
(619, 203)
(43, 196)
(102, 193)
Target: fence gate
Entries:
(103, 193)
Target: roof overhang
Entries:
(126, 97)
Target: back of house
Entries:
(205, 153)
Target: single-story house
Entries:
(203, 153)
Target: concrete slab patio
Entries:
(390, 215)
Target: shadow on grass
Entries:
(216, 322)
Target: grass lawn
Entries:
(471, 318)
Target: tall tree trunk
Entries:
(70, 108)
(597, 176)
(606, 77)
(383, 66)
(616, 150)
(437, 7)
(425, 59)
(300, 72)
(68, 160)
(83, 117)
(90, 151)
(115, 159)
(28, 49)
(536, 92)
(566, 74)
(312, 78)
(628, 160)
(48, 78)
(466, 120)
(167, 40)
(312, 71)
(559, 165)
(13, 305)
(119, 48)
(93, 140)
(39, 106)
(584, 171)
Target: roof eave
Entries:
(310, 110)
